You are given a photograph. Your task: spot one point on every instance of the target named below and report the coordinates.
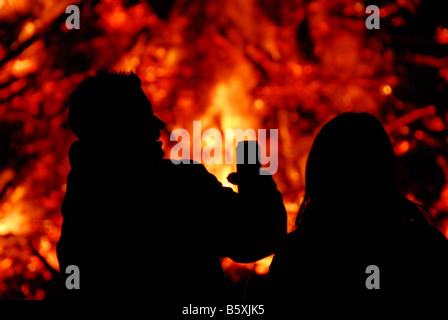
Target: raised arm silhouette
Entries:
(352, 217)
(139, 226)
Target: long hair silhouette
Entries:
(352, 165)
(354, 216)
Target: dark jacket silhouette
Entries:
(138, 226)
(353, 217)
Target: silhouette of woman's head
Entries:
(350, 169)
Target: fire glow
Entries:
(289, 65)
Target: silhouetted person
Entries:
(353, 216)
(139, 226)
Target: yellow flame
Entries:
(386, 90)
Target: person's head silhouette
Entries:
(110, 109)
(350, 174)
